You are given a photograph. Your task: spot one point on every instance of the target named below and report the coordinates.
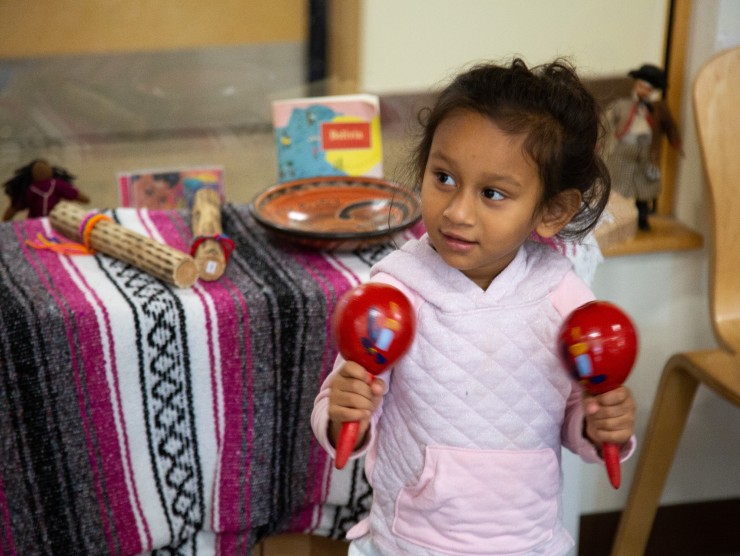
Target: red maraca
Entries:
(373, 326)
(598, 345)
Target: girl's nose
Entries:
(460, 210)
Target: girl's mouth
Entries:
(456, 243)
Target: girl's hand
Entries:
(610, 417)
(354, 394)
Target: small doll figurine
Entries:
(635, 129)
(37, 187)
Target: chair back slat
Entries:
(716, 99)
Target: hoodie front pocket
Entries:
(481, 501)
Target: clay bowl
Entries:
(336, 212)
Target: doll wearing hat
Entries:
(37, 187)
(635, 129)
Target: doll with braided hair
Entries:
(37, 187)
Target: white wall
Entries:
(667, 295)
(412, 45)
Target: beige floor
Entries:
(301, 545)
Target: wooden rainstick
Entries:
(161, 261)
(206, 222)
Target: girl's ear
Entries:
(559, 212)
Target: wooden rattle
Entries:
(210, 248)
(97, 231)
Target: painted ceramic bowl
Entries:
(336, 212)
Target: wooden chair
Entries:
(717, 112)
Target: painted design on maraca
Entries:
(380, 333)
(598, 345)
(584, 367)
(373, 326)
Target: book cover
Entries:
(168, 188)
(328, 136)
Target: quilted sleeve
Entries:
(320, 413)
(572, 292)
(320, 416)
(572, 431)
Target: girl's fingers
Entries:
(377, 387)
(611, 416)
(350, 369)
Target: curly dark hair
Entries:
(551, 106)
(22, 179)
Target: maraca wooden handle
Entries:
(346, 443)
(610, 453)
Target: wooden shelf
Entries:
(666, 234)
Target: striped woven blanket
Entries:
(136, 417)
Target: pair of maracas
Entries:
(374, 326)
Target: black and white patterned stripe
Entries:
(166, 388)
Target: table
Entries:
(139, 417)
(136, 416)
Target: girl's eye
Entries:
(493, 195)
(445, 179)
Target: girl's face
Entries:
(153, 194)
(480, 196)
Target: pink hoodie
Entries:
(464, 454)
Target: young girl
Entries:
(38, 187)
(462, 438)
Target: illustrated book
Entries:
(328, 136)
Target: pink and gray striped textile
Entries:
(136, 417)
